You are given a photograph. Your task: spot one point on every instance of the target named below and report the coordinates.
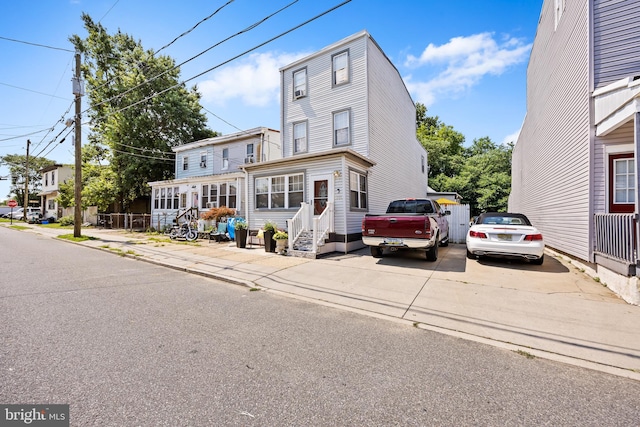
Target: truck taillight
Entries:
(533, 237)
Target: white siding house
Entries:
(574, 169)
(208, 174)
(52, 177)
(349, 145)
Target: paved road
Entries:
(129, 343)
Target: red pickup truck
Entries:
(419, 224)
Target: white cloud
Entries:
(465, 60)
(511, 138)
(254, 80)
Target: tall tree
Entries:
(139, 110)
(17, 164)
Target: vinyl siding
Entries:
(323, 99)
(237, 153)
(392, 136)
(616, 44)
(551, 159)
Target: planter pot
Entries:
(269, 242)
(241, 238)
(281, 246)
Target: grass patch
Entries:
(525, 354)
(254, 289)
(76, 239)
(19, 227)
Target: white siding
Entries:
(552, 155)
(323, 99)
(616, 44)
(392, 136)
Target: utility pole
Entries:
(25, 210)
(77, 91)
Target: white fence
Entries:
(458, 222)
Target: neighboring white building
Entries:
(208, 173)
(52, 176)
(575, 173)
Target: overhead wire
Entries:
(194, 27)
(36, 44)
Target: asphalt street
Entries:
(131, 343)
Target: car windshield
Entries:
(410, 206)
(503, 220)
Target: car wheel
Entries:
(376, 252)
(538, 261)
(432, 253)
(470, 255)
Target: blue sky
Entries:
(465, 59)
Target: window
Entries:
(46, 179)
(250, 158)
(222, 201)
(176, 195)
(341, 128)
(357, 190)
(300, 137)
(203, 159)
(205, 197)
(299, 83)
(340, 68)
(156, 198)
(422, 162)
(163, 194)
(53, 177)
(166, 198)
(232, 196)
(279, 192)
(225, 159)
(185, 163)
(51, 204)
(622, 183)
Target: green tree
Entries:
(17, 164)
(139, 111)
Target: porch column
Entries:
(636, 162)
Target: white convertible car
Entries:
(506, 235)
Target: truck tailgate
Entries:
(402, 226)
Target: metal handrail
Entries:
(615, 236)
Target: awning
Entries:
(444, 201)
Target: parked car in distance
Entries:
(505, 235)
(19, 214)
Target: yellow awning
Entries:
(444, 201)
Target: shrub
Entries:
(241, 225)
(215, 214)
(281, 235)
(270, 226)
(66, 220)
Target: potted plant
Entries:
(241, 233)
(270, 229)
(282, 239)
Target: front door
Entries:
(322, 193)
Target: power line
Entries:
(247, 29)
(194, 27)
(233, 58)
(36, 44)
(26, 134)
(103, 16)
(34, 91)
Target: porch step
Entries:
(303, 246)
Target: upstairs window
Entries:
(185, 163)
(46, 179)
(340, 68)
(53, 177)
(250, 157)
(225, 159)
(558, 11)
(341, 128)
(299, 83)
(203, 159)
(300, 137)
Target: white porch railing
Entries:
(303, 221)
(322, 225)
(615, 236)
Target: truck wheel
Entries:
(376, 252)
(432, 253)
(444, 242)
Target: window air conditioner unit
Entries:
(299, 93)
(211, 204)
(249, 159)
(203, 164)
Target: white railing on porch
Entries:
(322, 225)
(616, 236)
(303, 221)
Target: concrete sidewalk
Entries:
(552, 311)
